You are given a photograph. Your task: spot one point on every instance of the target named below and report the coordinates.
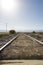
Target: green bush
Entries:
(12, 31)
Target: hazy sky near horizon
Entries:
(21, 14)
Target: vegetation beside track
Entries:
(4, 34)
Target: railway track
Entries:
(4, 44)
(34, 39)
(23, 47)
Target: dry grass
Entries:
(3, 35)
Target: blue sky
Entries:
(25, 15)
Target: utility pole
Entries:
(6, 27)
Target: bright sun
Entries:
(9, 5)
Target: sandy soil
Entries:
(21, 62)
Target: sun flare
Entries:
(9, 5)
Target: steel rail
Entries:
(8, 42)
(34, 39)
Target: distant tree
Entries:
(33, 32)
(12, 31)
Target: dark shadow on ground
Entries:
(19, 57)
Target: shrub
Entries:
(33, 32)
(12, 31)
(3, 35)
